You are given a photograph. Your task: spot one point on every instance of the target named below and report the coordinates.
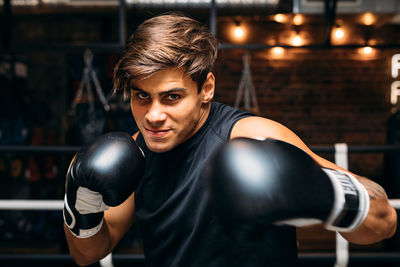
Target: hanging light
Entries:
(296, 40)
(238, 32)
(298, 19)
(368, 19)
(367, 50)
(278, 51)
(280, 18)
(338, 32)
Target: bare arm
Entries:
(381, 220)
(117, 221)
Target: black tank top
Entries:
(175, 217)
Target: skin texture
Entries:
(168, 110)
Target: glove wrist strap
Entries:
(82, 225)
(351, 204)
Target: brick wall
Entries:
(324, 95)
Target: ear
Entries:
(208, 88)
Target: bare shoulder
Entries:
(259, 127)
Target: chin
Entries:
(159, 148)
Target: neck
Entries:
(204, 112)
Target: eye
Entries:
(173, 97)
(142, 95)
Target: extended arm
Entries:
(381, 220)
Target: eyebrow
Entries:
(169, 91)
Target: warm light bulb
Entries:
(279, 18)
(338, 33)
(367, 50)
(368, 19)
(372, 42)
(297, 40)
(238, 32)
(298, 19)
(277, 51)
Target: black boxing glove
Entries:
(254, 183)
(102, 174)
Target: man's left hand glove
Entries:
(255, 183)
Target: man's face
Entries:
(168, 108)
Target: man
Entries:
(166, 66)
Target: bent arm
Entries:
(381, 220)
(117, 221)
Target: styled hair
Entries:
(164, 41)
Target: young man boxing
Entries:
(208, 185)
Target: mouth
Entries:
(157, 133)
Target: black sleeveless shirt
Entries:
(176, 220)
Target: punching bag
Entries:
(392, 158)
(392, 171)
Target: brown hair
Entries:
(168, 40)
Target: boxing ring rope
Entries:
(29, 204)
(340, 258)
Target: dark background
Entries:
(326, 91)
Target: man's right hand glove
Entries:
(102, 174)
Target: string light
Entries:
(368, 19)
(298, 19)
(372, 42)
(338, 33)
(277, 51)
(280, 18)
(367, 50)
(238, 32)
(297, 40)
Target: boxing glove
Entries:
(253, 183)
(102, 174)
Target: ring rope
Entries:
(30, 204)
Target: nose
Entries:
(155, 115)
